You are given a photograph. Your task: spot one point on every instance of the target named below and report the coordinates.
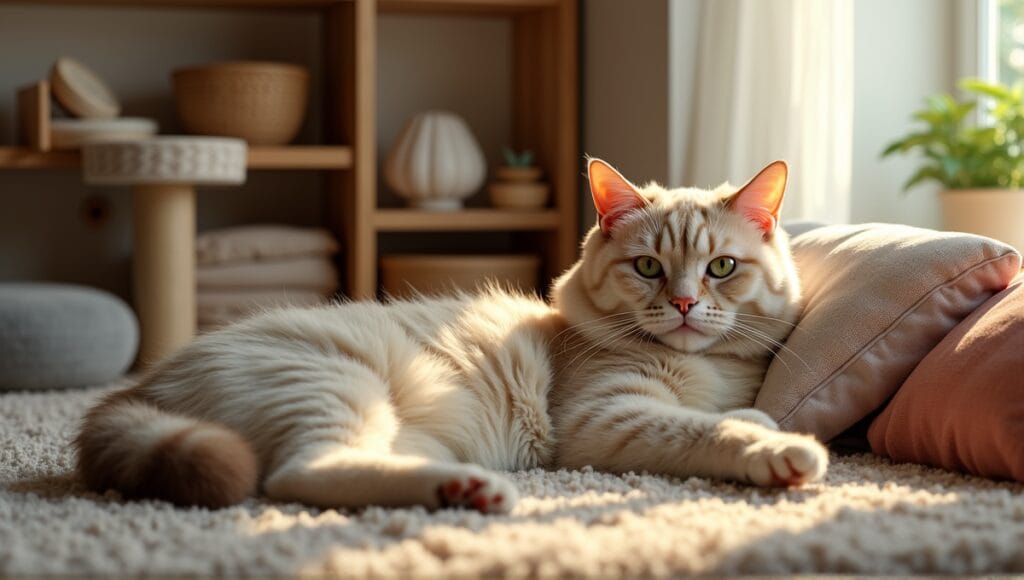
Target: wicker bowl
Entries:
(402, 275)
(261, 102)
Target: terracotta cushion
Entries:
(877, 298)
(963, 407)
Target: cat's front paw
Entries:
(785, 460)
(478, 489)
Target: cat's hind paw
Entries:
(786, 460)
(483, 491)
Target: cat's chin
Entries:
(687, 339)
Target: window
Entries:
(1007, 41)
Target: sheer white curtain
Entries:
(774, 79)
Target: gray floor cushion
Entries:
(60, 336)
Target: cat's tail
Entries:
(129, 445)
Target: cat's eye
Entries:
(647, 267)
(721, 267)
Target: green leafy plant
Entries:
(517, 159)
(959, 153)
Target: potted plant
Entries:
(518, 185)
(981, 166)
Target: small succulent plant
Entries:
(517, 159)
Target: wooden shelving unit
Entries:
(544, 119)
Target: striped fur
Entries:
(422, 402)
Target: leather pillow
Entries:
(963, 407)
(877, 298)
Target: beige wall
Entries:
(904, 51)
(625, 96)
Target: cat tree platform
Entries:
(163, 173)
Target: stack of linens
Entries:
(246, 269)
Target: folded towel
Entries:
(216, 308)
(262, 242)
(312, 274)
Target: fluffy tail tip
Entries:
(202, 465)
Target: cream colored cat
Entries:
(650, 359)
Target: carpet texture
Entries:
(869, 516)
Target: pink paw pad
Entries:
(470, 494)
(795, 476)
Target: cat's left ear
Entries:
(761, 198)
(613, 194)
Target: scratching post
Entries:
(162, 173)
(164, 277)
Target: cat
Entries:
(648, 358)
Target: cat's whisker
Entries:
(770, 318)
(610, 326)
(594, 352)
(773, 353)
(578, 325)
(596, 347)
(615, 335)
(777, 343)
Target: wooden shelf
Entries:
(301, 157)
(411, 6)
(309, 157)
(411, 220)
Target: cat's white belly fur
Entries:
(450, 379)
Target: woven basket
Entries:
(261, 102)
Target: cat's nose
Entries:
(683, 303)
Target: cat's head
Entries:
(696, 270)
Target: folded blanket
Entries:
(262, 242)
(311, 274)
(218, 307)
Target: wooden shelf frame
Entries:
(468, 220)
(297, 157)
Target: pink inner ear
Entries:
(760, 200)
(613, 194)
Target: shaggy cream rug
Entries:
(869, 516)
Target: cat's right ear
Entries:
(613, 194)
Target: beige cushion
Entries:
(877, 299)
(262, 242)
(312, 274)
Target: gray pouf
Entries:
(63, 336)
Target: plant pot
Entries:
(518, 194)
(994, 213)
(518, 174)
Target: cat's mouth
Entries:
(681, 327)
(687, 327)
